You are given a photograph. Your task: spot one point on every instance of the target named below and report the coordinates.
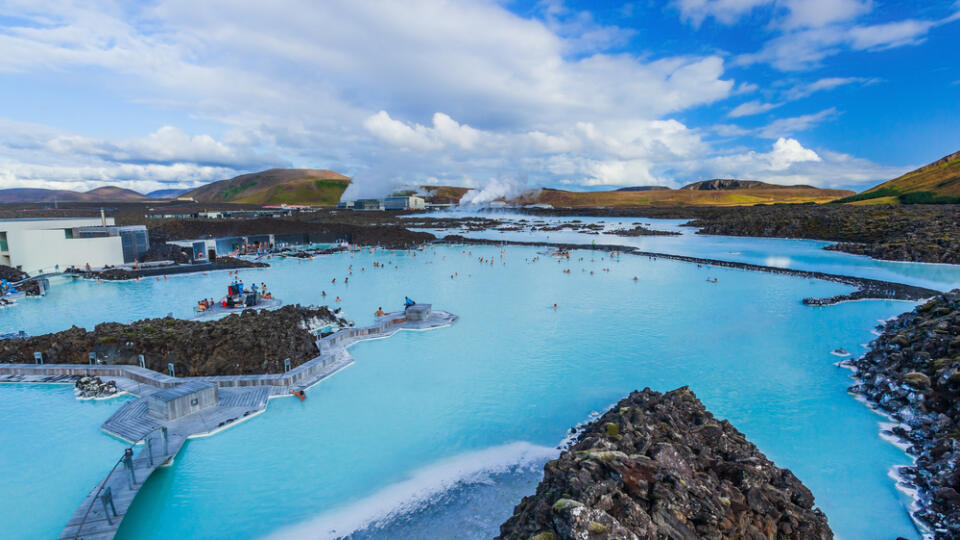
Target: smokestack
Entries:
(103, 218)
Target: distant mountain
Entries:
(722, 184)
(166, 193)
(721, 194)
(276, 186)
(938, 182)
(642, 188)
(102, 194)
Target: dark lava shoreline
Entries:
(661, 466)
(914, 232)
(867, 289)
(912, 374)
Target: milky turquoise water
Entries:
(438, 434)
(52, 453)
(779, 252)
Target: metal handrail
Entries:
(93, 501)
(103, 484)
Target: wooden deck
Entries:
(93, 520)
(240, 396)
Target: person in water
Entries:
(380, 312)
(555, 306)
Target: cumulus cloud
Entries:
(447, 91)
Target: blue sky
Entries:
(498, 95)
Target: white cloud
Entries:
(723, 11)
(815, 13)
(751, 108)
(448, 91)
(889, 35)
(435, 88)
(788, 126)
(806, 46)
(825, 84)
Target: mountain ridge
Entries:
(276, 186)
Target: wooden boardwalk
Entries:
(94, 519)
(240, 396)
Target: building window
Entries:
(3, 242)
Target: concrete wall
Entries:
(38, 251)
(39, 245)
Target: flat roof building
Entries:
(368, 204)
(42, 245)
(404, 203)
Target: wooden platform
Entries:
(91, 520)
(240, 396)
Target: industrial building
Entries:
(390, 203)
(404, 203)
(43, 245)
(368, 204)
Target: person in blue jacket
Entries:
(407, 302)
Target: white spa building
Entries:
(44, 245)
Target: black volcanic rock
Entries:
(643, 188)
(661, 466)
(252, 342)
(912, 372)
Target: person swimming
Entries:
(555, 306)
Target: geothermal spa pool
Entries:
(439, 434)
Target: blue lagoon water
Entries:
(52, 453)
(438, 434)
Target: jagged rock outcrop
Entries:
(94, 387)
(252, 342)
(912, 372)
(640, 230)
(661, 466)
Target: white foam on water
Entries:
(423, 485)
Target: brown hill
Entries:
(276, 186)
(766, 194)
(938, 182)
(38, 195)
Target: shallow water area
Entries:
(389, 447)
(52, 453)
